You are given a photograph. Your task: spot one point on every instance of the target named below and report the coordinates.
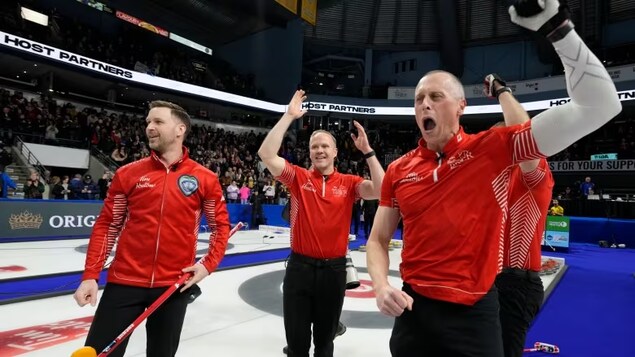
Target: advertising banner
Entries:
(47, 219)
(135, 21)
(595, 165)
(556, 232)
(26, 45)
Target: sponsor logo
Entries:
(25, 220)
(188, 184)
(33, 338)
(558, 224)
(309, 187)
(339, 191)
(72, 221)
(411, 177)
(458, 159)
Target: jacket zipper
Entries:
(435, 175)
(323, 186)
(156, 250)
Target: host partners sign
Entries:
(47, 219)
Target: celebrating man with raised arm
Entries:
(452, 194)
(321, 204)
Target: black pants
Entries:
(121, 304)
(368, 224)
(313, 293)
(439, 328)
(520, 294)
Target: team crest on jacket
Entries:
(188, 184)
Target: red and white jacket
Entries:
(153, 213)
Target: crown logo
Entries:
(25, 220)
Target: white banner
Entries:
(52, 53)
(532, 86)
(585, 166)
(58, 156)
(469, 110)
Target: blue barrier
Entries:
(242, 213)
(28, 220)
(592, 230)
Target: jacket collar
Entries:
(455, 143)
(184, 157)
(317, 174)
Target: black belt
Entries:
(316, 261)
(521, 273)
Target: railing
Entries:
(40, 139)
(31, 159)
(111, 164)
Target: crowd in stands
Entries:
(131, 47)
(232, 156)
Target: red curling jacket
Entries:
(153, 213)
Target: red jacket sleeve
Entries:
(218, 221)
(106, 230)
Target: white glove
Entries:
(550, 9)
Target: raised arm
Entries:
(513, 112)
(594, 101)
(368, 189)
(269, 148)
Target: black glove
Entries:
(489, 89)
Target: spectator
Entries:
(270, 192)
(50, 136)
(87, 190)
(369, 208)
(5, 183)
(586, 186)
(232, 192)
(33, 188)
(244, 194)
(104, 184)
(257, 215)
(119, 155)
(556, 209)
(6, 158)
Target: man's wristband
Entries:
(500, 90)
(560, 32)
(369, 155)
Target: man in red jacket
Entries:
(520, 289)
(452, 194)
(320, 216)
(153, 210)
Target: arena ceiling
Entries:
(413, 24)
(380, 24)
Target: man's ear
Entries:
(462, 105)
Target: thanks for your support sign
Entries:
(582, 166)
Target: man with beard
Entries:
(152, 210)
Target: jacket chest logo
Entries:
(309, 186)
(144, 182)
(188, 184)
(339, 191)
(411, 177)
(458, 159)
